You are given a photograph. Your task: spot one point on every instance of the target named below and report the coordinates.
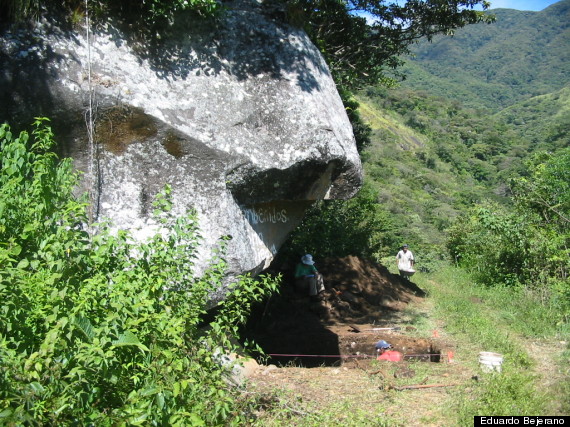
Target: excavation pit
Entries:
(354, 345)
(340, 346)
(362, 304)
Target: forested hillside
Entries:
(430, 159)
(542, 121)
(522, 54)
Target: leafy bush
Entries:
(359, 226)
(528, 242)
(155, 14)
(102, 330)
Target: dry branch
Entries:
(419, 386)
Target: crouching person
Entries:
(307, 278)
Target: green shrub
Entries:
(103, 330)
(527, 243)
(359, 226)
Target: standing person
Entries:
(405, 260)
(307, 278)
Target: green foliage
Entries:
(362, 40)
(106, 330)
(461, 137)
(155, 14)
(527, 243)
(545, 196)
(542, 120)
(422, 173)
(360, 129)
(358, 226)
(37, 210)
(546, 191)
(149, 13)
(492, 243)
(17, 10)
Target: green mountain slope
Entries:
(429, 159)
(543, 120)
(522, 54)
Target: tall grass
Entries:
(502, 320)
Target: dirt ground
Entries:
(323, 351)
(362, 303)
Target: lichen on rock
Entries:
(242, 118)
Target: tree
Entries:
(151, 13)
(362, 40)
(359, 226)
(547, 191)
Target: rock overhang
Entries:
(243, 120)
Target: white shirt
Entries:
(405, 259)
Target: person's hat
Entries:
(404, 246)
(383, 344)
(308, 259)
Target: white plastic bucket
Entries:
(490, 362)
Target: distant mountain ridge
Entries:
(474, 109)
(523, 54)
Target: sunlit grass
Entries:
(498, 320)
(288, 409)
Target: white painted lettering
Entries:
(266, 215)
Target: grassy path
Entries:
(535, 378)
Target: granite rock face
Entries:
(241, 117)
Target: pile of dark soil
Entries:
(361, 298)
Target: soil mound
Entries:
(362, 291)
(360, 296)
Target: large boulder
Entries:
(241, 117)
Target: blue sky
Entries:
(522, 4)
(535, 5)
